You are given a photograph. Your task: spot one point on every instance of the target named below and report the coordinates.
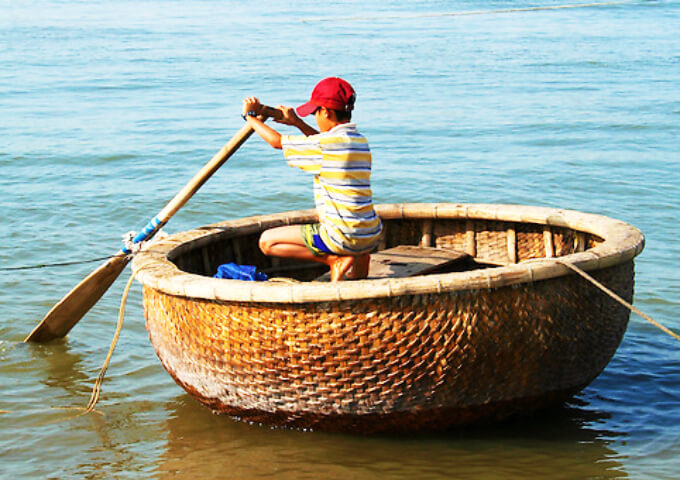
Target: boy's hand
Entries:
(251, 104)
(289, 116)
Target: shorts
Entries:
(312, 239)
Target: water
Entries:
(108, 108)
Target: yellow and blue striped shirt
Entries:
(340, 161)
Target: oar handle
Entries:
(157, 222)
(270, 112)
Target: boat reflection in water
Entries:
(556, 443)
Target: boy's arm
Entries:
(268, 134)
(290, 118)
(251, 105)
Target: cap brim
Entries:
(306, 108)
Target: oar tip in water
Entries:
(70, 309)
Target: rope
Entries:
(473, 12)
(60, 264)
(121, 315)
(617, 298)
(96, 390)
(100, 378)
(128, 242)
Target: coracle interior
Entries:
(490, 244)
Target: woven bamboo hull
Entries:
(475, 347)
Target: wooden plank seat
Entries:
(408, 261)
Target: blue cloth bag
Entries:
(240, 272)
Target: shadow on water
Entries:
(555, 443)
(60, 366)
(42, 376)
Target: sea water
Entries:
(108, 108)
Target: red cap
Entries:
(331, 92)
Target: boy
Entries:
(339, 158)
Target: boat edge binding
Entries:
(622, 242)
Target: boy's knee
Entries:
(265, 243)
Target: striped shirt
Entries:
(340, 161)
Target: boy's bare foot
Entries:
(349, 266)
(359, 267)
(340, 265)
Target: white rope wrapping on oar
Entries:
(135, 248)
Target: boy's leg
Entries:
(287, 242)
(359, 268)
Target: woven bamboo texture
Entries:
(418, 354)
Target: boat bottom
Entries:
(420, 421)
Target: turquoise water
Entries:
(108, 108)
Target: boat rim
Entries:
(154, 269)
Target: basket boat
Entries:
(508, 331)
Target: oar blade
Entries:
(70, 309)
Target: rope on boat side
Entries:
(121, 315)
(100, 378)
(96, 390)
(617, 298)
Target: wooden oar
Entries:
(70, 309)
